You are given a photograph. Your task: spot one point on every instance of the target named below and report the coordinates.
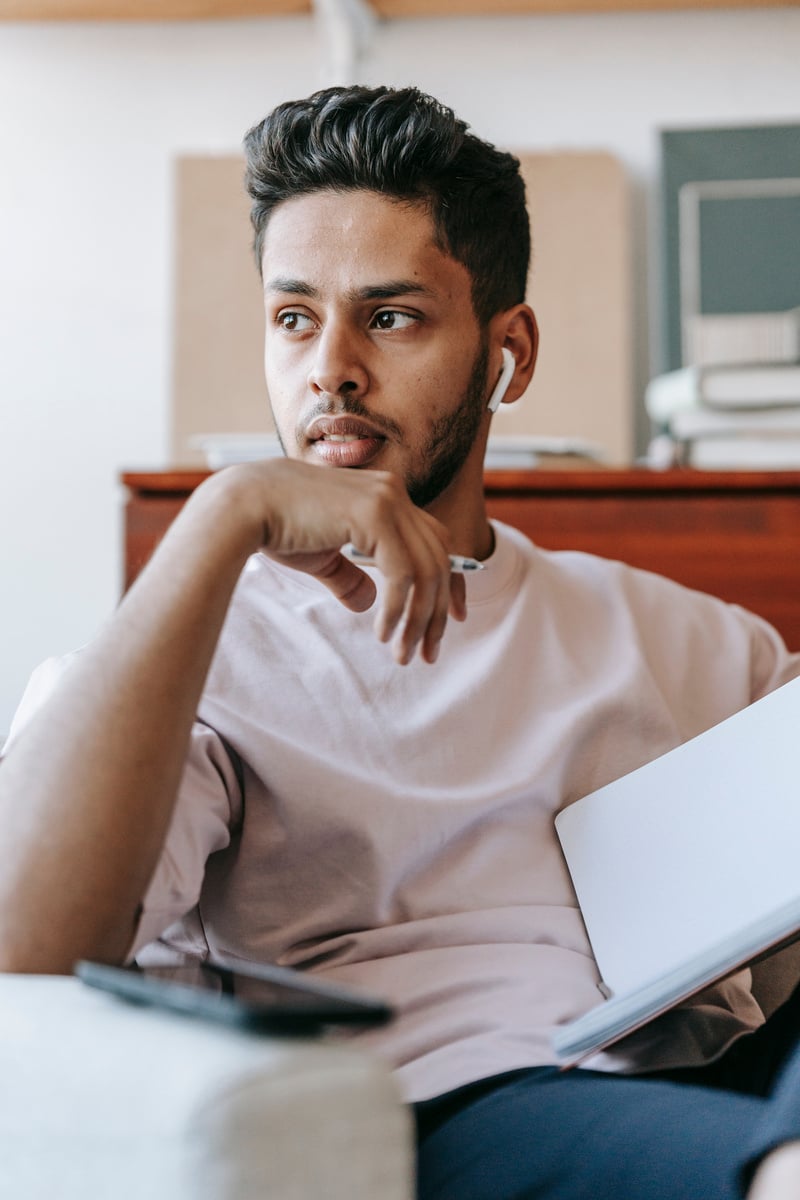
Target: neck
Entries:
(461, 507)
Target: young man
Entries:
(238, 763)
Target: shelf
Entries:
(198, 10)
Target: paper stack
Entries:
(520, 451)
(512, 452)
(686, 868)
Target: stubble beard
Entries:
(451, 438)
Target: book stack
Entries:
(731, 415)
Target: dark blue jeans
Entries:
(694, 1134)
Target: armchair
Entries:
(102, 1099)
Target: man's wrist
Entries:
(228, 509)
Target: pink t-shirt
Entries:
(392, 828)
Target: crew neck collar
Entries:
(499, 568)
(482, 586)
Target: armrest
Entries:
(102, 1098)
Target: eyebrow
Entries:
(376, 291)
(295, 287)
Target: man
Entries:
(237, 763)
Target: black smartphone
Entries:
(251, 995)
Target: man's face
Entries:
(373, 354)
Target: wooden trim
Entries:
(198, 10)
(627, 479)
(637, 480)
(164, 483)
(147, 10)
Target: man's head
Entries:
(393, 247)
(407, 146)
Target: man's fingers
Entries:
(419, 593)
(451, 603)
(423, 622)
(351, 586)
(458, 597)
(417, 597)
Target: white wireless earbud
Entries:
(509, 366)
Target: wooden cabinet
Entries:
(734, 534)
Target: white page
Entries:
(685, 851)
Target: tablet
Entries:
(251, 995)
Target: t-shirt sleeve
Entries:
(207, 809)
(771, 663)
(40, 688)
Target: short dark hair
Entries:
(406, 145)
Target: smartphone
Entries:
(251, 995)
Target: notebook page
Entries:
(688, 850)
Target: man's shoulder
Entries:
(566, 567)
(567, 579)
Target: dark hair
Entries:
(406, 145)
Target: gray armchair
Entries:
(103, 1100)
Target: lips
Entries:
(344, 441)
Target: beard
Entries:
(450, 440)
(452, 437)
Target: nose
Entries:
(338, 367)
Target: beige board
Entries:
(580, 286)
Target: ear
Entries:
(515, 330)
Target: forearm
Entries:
(87, 793)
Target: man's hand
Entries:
(301, 515)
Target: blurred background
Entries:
(104, 127)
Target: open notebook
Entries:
(688, 867)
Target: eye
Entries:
(391, 318)
(294, 322)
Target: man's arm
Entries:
(87, 792)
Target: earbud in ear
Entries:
(509, 365)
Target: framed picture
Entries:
(731, 228)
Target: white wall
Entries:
(90, 119)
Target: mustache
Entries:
(345, 406)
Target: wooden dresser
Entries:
(735, 534)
